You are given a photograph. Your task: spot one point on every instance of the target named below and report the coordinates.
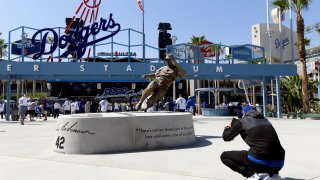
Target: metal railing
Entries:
(184, 53)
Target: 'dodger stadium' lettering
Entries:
(79, 36)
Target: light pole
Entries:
(174, 39)
(269, 33)
(291, 33)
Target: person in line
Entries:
(172, 105)
(56, 109)
(77, 106)
(87, 106)
(266, 155)
(31, 109)
(166, 105)
(116, 107)
(74, 107)
(2, 105)
(103, 105)
(191, 106)
(45, 110)
(67, 107)
(39, 111)
(23, 106)
(128, 107)
(181, 103)
(134, 102)
(81, 105)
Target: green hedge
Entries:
(311, 116)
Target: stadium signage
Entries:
(281, 43)
(116, 53)
(83, 68)
(79, 36)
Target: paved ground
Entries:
(26, 153)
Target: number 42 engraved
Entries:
(59, 142)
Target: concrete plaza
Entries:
(26, 152)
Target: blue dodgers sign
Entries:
(79, 37)
(28, 48)
(241, 53)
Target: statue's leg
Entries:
(147, 92)
(157, 95)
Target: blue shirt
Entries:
(190, 103)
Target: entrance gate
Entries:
(223, 62)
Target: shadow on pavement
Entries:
(202, 141)
(262, 176)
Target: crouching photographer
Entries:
(265, 155)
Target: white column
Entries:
(174, 90)
(34, 86)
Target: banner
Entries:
(29, 48)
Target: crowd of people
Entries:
(41, 108)
(266, 155)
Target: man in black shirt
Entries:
(265, 155)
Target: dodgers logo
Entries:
(78, 38)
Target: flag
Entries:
(140, 5)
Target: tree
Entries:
(291, 96)
(298, 6)
(198, 40)
(3, 46)
(291, 93)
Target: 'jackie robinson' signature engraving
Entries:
(72, 128)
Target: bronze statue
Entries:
(163, 78)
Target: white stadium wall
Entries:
(260, 37)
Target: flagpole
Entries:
(143, 35)
(291, 34)
(269, 32)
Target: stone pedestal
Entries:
(119, 132)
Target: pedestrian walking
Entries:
(45, 110)
(23, 106)
(87, 106)
(2, 105)
(74, 107)
(56, 109)
(67, 107)
(31, 109)
(103, 105)
(191, 106)
(181, 103)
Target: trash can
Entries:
(14, 114)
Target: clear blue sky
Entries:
(222, 21)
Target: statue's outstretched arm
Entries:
(149, 76)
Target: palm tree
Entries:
(2, 46)
(297, 6)
(198, 40)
